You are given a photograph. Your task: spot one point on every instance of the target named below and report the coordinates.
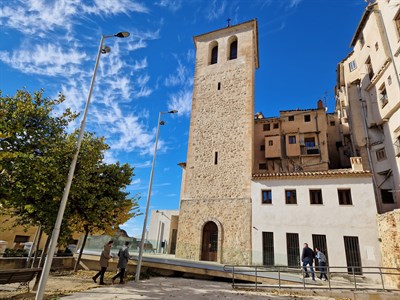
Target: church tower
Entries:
(215, 210)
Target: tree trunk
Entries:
(81, 250)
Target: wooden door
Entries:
(209, 249)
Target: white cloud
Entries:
(178, 78)
(42, 16)
(216, 9)
(172, 5)
(294, 3)
(48, 59)
(181, 101)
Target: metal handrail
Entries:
(258, 271)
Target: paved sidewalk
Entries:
(176, 288)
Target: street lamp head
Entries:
(105, 50)
(122, 34)
(173, 111)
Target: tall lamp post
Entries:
(139, 263)
(57, 226)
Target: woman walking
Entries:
(123, 255)
(104, 258)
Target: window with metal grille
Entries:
(370, 70)
(262, 166)
(380, 154)
(316, 197)
(344, 196)
(293, 249)
(276, 125)
(291, 118)
(307, 118)
(292, 139)
(353, 257)
(267, 127)
(291, 197)
(268, 249)
(319, 241)
(262, 148)
(352, 65)
(266, 197)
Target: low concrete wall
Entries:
(389, 236)
(19, 263)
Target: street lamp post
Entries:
(139, 263)
(57, 226)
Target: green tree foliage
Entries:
(35, 154)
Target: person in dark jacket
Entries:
(321, 262)
(104, 258)
(123, 255)
(307, 257)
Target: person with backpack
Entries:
(307, 257)
(322, 263)
(123, 255)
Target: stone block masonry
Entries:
(233, 218)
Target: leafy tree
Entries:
(35, 154)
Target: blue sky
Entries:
(53, 44)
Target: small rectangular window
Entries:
(291, 197)
(369, 68)
(376, 46)
(291, 118)
(380, 154)
(262, 166)
(219, 86)
(307, 118)
(352, 65)
(389, 80)
(292, 139)
(332, 123)
(387, 196)
(276, 125)
(216, 158)
(21, 238)
(267, 127)
(344, 196)
(316, 197)
(266, 197)
(383, 97)
(262, 148)
(270, 143)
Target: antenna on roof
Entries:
(228, 22)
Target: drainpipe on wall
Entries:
(368, 147)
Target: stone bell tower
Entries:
(215, 212)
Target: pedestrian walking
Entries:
(104, 258)
(322, 263)
(123, 255)
(307, 257)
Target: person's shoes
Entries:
(320, 278)
(113, 281)
(325, 279)
(313, 279)
(94, 279)
(306, 276)
(122, 282)
(102, 283)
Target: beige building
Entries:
(215, 209)
(368, 99)
(298, 140)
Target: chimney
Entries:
(356, 164)
(320, 104)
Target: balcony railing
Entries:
(309, 150)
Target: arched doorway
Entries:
(209, 246)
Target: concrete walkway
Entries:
(176, 288)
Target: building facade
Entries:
(215, 207)
(333, 210)
(368, 99)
